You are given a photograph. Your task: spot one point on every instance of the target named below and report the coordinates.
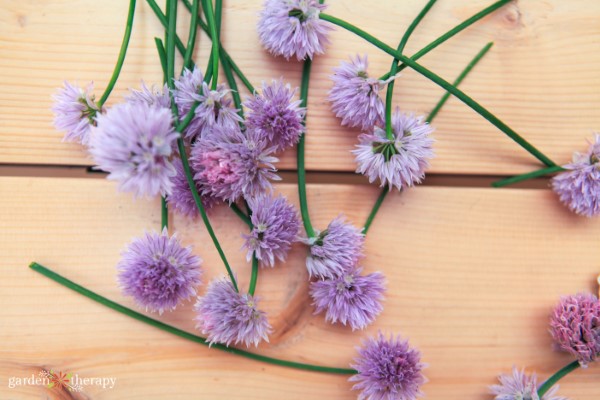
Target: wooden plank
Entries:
(540, 77)
(472, 275)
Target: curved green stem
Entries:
(529, 175)
(254, 276)
(189, 51)
(375, 209)
(210, 17)
(122, 53)
(234, 207)
(556, 377)
(178, 332)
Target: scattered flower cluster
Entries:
(519, 385)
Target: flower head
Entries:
(579, 187)
(350, 298)
(388, 370)
(134, 143)
(520, 386)
(75, 112)
(355, 96)
(292, 28)
(335, 250)
(158, 273)
(181, 198)
(227, 316)
(276, 227)
(151, 96)
(275, 116)
(400, 162)
(575, 327)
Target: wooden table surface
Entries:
(472, 272)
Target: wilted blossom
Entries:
(400, 162)
(335, 250)
(275, 115)
(227, 316)
(291, 28)
(75, 112)
(579, 187)
(230, 164)
(152, 96)
(276, 227)
(134, 142)
(355, 97)
(181, 200)
(351, 298)
(388, 370)
(575, 327)
(520, 386)
(158, 272)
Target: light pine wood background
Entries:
(472, 273)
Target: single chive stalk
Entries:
(245, 218)
(191, 45)
(179, 332)
(122, 53)
(254, 276)
(527, 176)
(210, 17)
(556, 377)
(164, 210)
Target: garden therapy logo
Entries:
(61, 381)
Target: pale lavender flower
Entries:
(275, 115)
(275, 228)
(400, 162)
(351, 298)
(355, 97)
(230, 164)
(520, 386)
(291, 28)
(158, 272)
(227, 316)
(575, 327)
(335, 250)
(152, 96)
(75, 112)
(579, 187)
(181, 200)
(134, 143)
(388, 370)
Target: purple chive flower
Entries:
(388, 370)
(275, 116)
(351, 298)
(75, 112)
(292, 28)
(134, 143)
(575, 327)
(521, 386)
(150, 95)
(400, 162)
(158, 272)
(275, 229)
(355, 97)
(579, 187)
(230, 164)
(335, 250)
(181, 199)
(226, 316)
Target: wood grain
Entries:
(540, 77)
(472, 275)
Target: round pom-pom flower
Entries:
(400, 162)
(388, 370)
(575, 327)
(519, 385)
(227, 316)
(134, 143)
(276, 227)
(291, 28)
(151, 96)
(579, 187)
(351, 298)
(275, 116)
(75, 112)
(181, 198)
(158, 272)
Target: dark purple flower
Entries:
(275, 116)
(400, 162)
(388, 370)
(151, 96)
(350, 298)
(275, 229)
(75, 112)
(134, 142)
(227, 316)
(292, 28)
(158, 273)
(575, 327)
(181, 199)
(335, 250)
(521, 386)
(579, 187)
(355, 97)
